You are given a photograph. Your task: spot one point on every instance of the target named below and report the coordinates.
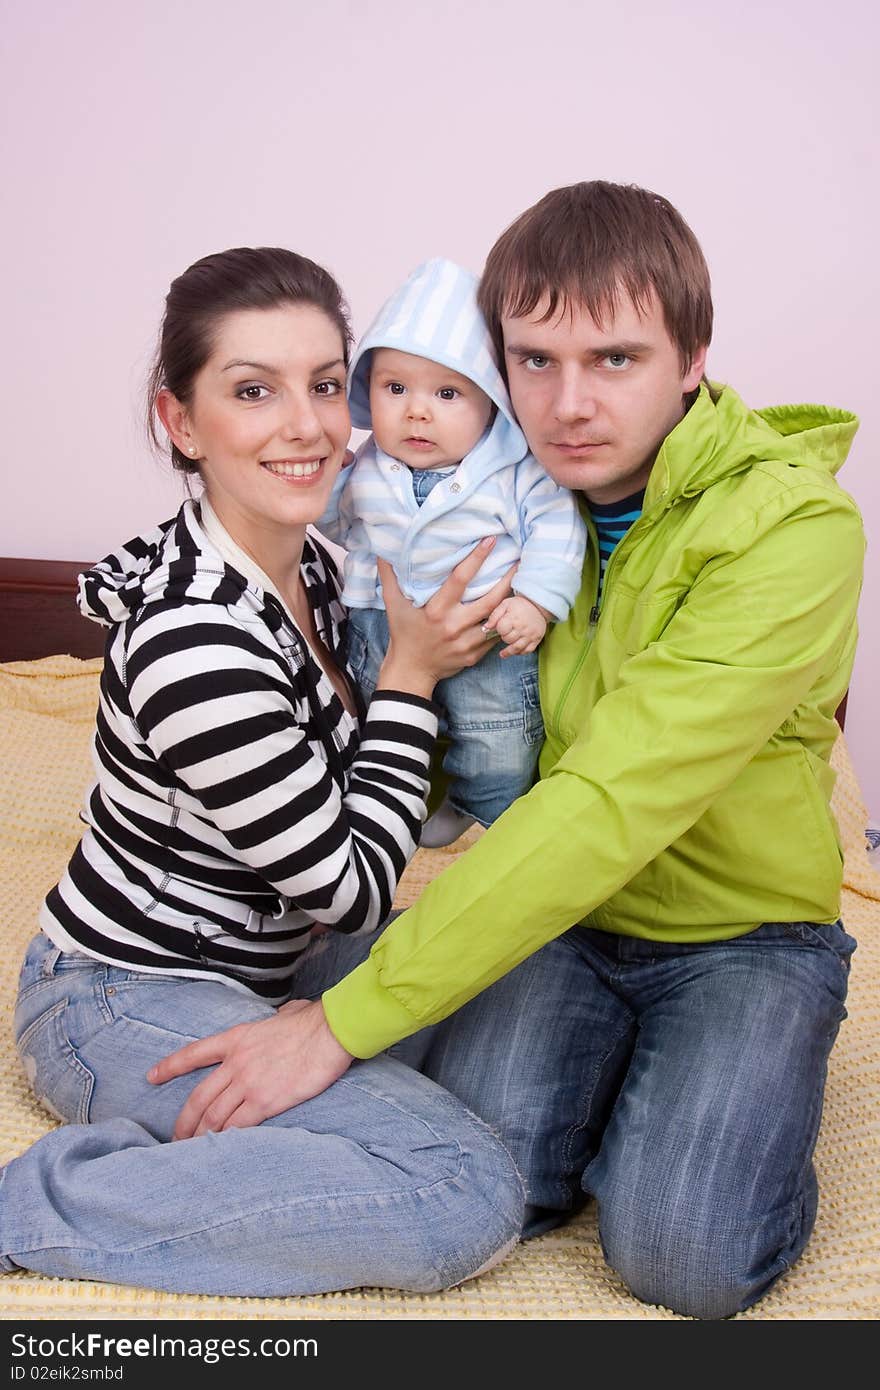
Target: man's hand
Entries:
(518, 622)
(261, 1069)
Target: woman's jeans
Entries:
(491, 715)
(384, 1179)
(681, 1086)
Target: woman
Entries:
(241, 799)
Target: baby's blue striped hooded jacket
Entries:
(498, 489)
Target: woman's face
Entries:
(268, 420)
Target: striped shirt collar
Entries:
(230, 551)
(612, 521)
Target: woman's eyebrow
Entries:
(276, 371)
(258, 366)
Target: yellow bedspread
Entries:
(46, 716)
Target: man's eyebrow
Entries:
(276, 371)
(625, 349)
(524, 350)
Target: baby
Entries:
(446, 464)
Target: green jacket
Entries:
(684, 783)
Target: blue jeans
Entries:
(384, 1179)
(490, 712)
(681, 1086)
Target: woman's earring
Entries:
(192, 450)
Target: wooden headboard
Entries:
(38, 612)
(39, 616)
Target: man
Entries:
(655, 925)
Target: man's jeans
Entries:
(384, 1179)
(490, 712)
(681, 1086)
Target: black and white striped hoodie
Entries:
(237, 802)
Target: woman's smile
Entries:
(294, 470)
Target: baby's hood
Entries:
(435, 315)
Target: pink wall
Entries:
(373, 133)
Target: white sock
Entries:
(444, 827)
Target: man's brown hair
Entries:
(587, 243)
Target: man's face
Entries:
(595, 403)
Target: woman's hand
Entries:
(260, 1070)
(437, 640)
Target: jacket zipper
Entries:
(596, 609)
(593, 622)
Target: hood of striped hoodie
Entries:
(173, 561)
(435, 315)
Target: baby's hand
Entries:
(520, 623)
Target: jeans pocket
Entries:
(43, 963)
(59, 1079)
(361, 660)
(830, 949)
(533, 724)
(37, 967)
(355, 651)
(66, 961)
(826, 937)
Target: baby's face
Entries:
(424, 414)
